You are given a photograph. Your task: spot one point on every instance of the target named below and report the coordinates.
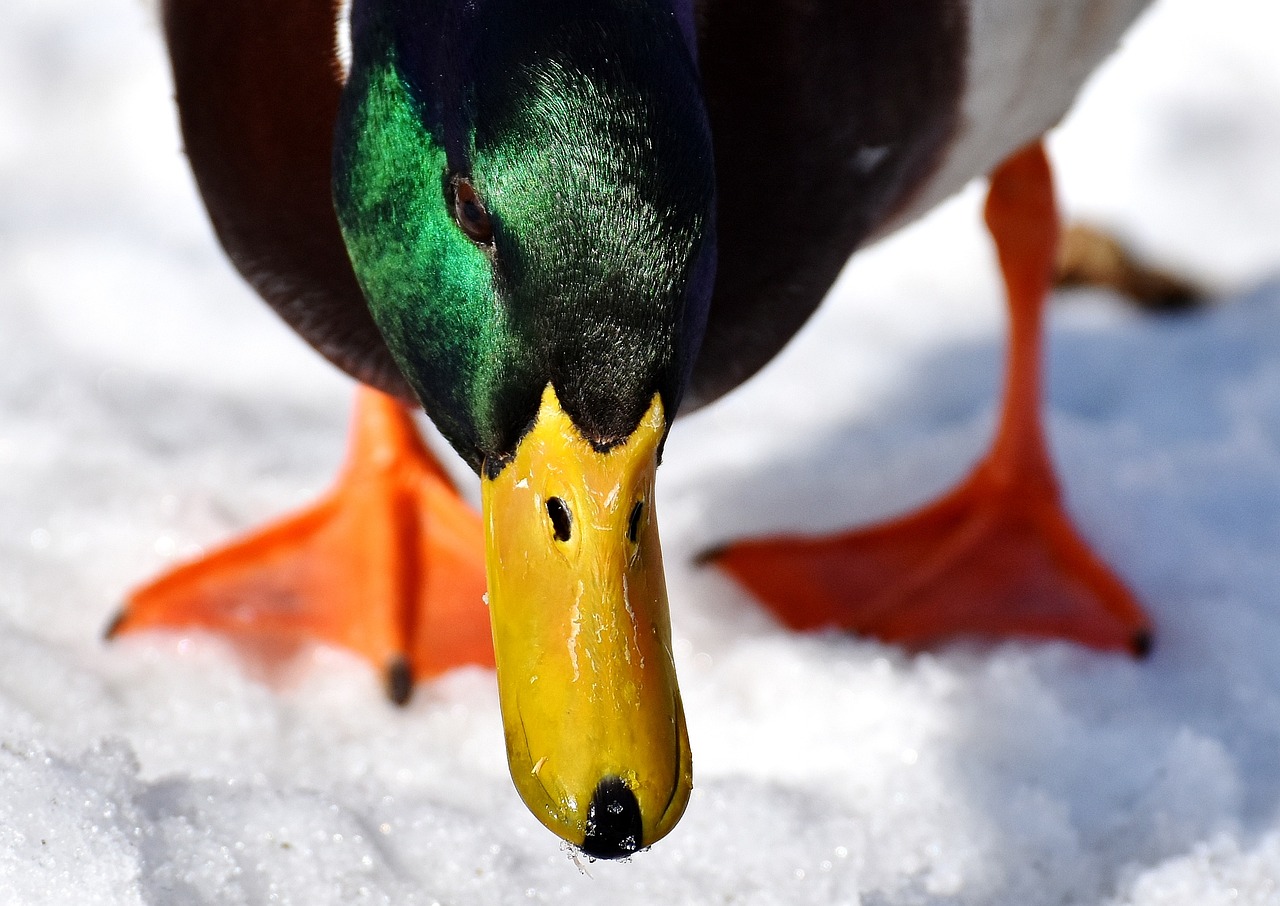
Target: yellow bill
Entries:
(595, 729)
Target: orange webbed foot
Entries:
(998, 555)
(990, 559)
(390, 564)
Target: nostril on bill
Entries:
(561, 520)
(614, 827)
(633, 523)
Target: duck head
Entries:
(526, 191)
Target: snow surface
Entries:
(150, 405)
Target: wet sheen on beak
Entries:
(595, 729)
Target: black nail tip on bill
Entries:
(614, 825)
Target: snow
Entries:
(151, 406)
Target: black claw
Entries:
(710, 555)
(399, 679)
(116, 622)
(614, 827)
(1141, 643)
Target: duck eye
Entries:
(633, 524)
(561, 521)
(470, 213)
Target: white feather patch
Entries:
(1027, 61)
(342, 38)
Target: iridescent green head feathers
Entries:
(526, 191)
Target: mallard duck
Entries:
(555, 224)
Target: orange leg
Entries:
(390, 564)
(997, 555)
